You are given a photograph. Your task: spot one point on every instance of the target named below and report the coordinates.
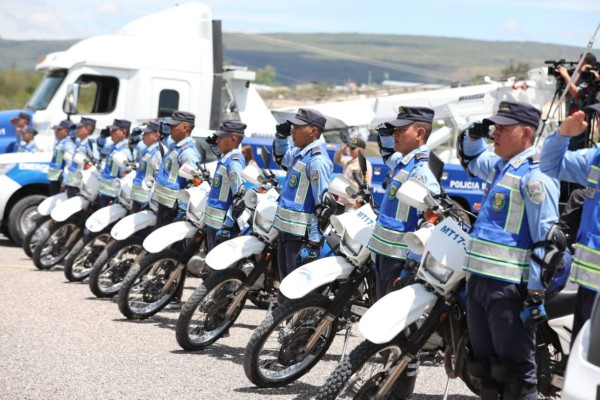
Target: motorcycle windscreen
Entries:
(308, 277)
(69, 207)
(395, 312)
(230, 252)
(163, 237)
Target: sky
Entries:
(567, 22)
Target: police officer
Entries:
(118, 133)
(309, 171)
(583, 167)
(84, 129)
(227, 185)
(504, 291)
(20, 122)
(411, 129)
(28, 144)
(350, 165)
(151, 154)
(168, 183)
(63, 151)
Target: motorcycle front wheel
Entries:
(31, 239)
(79, 261)
(55, 243)
(203, 318)
(276, 353)
(144, 291)
(113, 264)
(360, 374)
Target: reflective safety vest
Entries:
(74, 173)
(296, 204)
(500, 244)
(586, 260)
(58, 163)
(221, 195)
(112, 171)
(396, 218)
(168, 183)
(144, 169)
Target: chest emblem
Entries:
(217, 181)
(498, 202)
(392, 192)
(293, 181)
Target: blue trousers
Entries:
(496, 332)
(387, 270)
(288, 251)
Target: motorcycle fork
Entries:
(257, 271)
(415, 342)
(337, 306)
(182, 260)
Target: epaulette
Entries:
(235, 157)
(534, 159)
(315, 151)
(421, 155)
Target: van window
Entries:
(97, 94)
(168, 101)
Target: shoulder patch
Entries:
(315, 151)
(421, 156)
(314, 176)
(233, 176)
(536, 191)
(184, 159)
(420, 178)
(235, 157)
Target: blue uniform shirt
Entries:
(30, 147)
(557, 162)
(540, 214)
(319, 169)
(111, 170)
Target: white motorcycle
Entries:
(325, 296)
(79, 261)
(42, 223)
(242, 268)
(151, 284)
(68, 218)
(424, 318)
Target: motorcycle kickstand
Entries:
(447, 388)
(346, 338)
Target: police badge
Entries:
(216, 181)
(498, 202)
(293, 181)
(392, 193)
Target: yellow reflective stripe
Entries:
(215, 217)
(586, 266)
(106, 187)
(139, 194)
(499, 261)
(225, 183)
(516, 203)
(54, 174)
(594, 175)
(164, 195)
(74, 179)
(303, 184)
(294, 222)
(174, 166)
(388, 242)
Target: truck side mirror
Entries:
(71, 99)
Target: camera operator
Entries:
(579, 91)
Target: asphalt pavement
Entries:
(58, 341)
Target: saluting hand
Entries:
(573, 125)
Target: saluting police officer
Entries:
(84, 129)
(309, 171)
(227, 184)
(119, 131)
(505, 294)
(28, 144)
(411, 128)
(151, 150)
(168, 183)
(20, 122)
(63, 150)
(583, 167)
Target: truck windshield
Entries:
(46, 90)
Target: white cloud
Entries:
(107, 7)
(511, 29)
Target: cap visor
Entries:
(113, 127)
(296, 121)
(592, 108)
(173, 122)
(222, 133)
(499, 120)
(400, 122)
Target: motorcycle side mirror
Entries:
(188, 171)
(416, 194)
(202, 153)
(362, 162)
(266, 156)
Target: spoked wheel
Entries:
(113, 264)
(276, 353)
(361, 373)
(81, 258)
(32, 237)
(150, 285)
(55, 243)
(204, 318)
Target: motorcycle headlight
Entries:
(4, 168)
(438, 270)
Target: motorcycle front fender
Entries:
(230, 252)
(104, 217)
(46, 206)
(163, 237)
(313, 275)
(395, 312)
(133, 223)
(69, 207)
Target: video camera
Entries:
(557, 63)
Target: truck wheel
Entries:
(23, 216)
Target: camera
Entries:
(587, 75)
(557, 63)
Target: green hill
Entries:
(338, 58)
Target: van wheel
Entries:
(23, 216)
